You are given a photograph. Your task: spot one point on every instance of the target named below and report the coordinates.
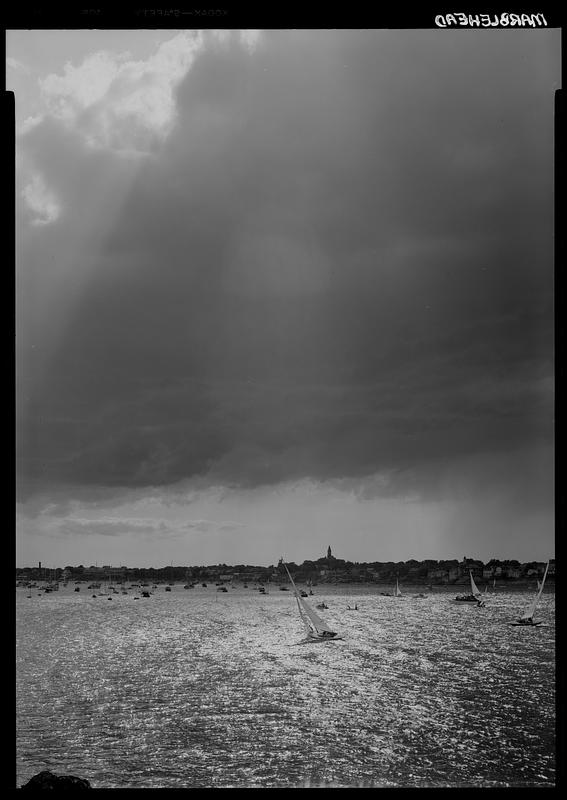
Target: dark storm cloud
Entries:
(338, 263)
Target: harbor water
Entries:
(198, 688)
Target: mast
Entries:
(531, 610)
(310, 619)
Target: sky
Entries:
(279, 290)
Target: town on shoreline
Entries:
(327, 569)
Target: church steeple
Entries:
(329, 554)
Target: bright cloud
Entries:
(210, 526)
(117, 526)
(17, 65)
(119, 103)
(126, 105)
(111, 526)
(114, 102)
(41, 201)
(249, 39)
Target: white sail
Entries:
(474, 587)
(310, 619)
(397, 592)
(317, 623)
(530, 611)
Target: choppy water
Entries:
(195, 688)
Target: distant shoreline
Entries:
(321, 587)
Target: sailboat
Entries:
(527, 618)
(317, 629)
(474, 596)
(396, 593)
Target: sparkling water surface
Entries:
(198, 688)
